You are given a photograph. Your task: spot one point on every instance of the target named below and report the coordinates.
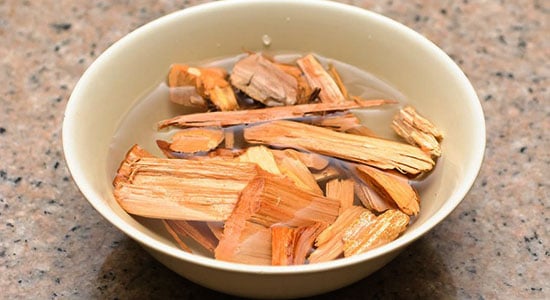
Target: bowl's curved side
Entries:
(272, 285)
(431, 81)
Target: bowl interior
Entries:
(137, 63)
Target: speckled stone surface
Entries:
(496, 244)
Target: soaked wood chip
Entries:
(370, 232)
(417, 130)
(191, 140)
(262, 80)
(392, 188)
(318, 77)
(381, 153)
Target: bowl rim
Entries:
(95, 198)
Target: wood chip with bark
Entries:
(262, 80)
(381, 153)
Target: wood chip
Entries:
(294, 169)
(368, 232)
(198, 231)
(337, 121)
(417, 130)
(181, 189)
(125, 169)
(164, 146)
(381, 153)
(391, 188)
(305, 92)
(176, 237)
(183, 87)
(338, 80)
(216, 228)
(229, 118)
(187, 96)
(327, 173)
(370, 198)
(354, 233)
(290, 246)
(209, 83)
(317, 77)
(341, 190)
(268, 200)
(313, 161)
(343, 122)
(191, 140)
(329, 243)
(229, 138)
(263, 157)
(263, 81)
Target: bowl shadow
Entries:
(129, 272)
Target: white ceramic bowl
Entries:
(133, 66)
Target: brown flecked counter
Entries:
(495, 245)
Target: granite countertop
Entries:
(496, 244)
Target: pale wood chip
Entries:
(417, 130)
(369, 233)
(261, 156)
(294, 169)
(318, 77)
(381, 153)
(313, 161)
(354, 233)
(329, 243)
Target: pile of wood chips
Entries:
(291, 177)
